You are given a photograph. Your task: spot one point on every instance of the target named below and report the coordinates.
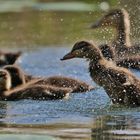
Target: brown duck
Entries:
(29, 90)
(120, 84)
(127, 62)
(16, 74)
(66, 82)
(8, 58)
(121, 46)
(19, 77)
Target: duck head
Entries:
(5, 80)
(11, 58)
(17, 75)
(112, 18)
(83, 49)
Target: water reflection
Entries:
(116, 127)
(25, 137)
(102, 127)
(3, 111)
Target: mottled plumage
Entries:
(29, 90)
(120, 84)
(121, 47)
(18, 77)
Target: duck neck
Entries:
(95, 58)
(95, 55)
(123, 37)
(95, 70)
(123, 32)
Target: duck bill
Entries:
(67, 56)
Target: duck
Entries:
(9, 58)
(121, 47)
(107, 51)
(76, 85)
(16, 74)
(119, 19)
(19, 77)
(120, 84)
(28, 90)
(132, 62)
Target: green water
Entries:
(47, 28)
(30, 23)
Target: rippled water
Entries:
(83, 116)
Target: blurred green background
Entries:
(59, 22)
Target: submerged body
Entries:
(35, 92)
(19, 78)
(66, 82)
(119, 83)
(16, 85)
(28, 90)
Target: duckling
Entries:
(107, 51)
(120, 84)
(19, 77)
(129, 62)
(121, 46)
(66, 82)
(16, 74)
(29, 90)
(7, 58)
(119, 19)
